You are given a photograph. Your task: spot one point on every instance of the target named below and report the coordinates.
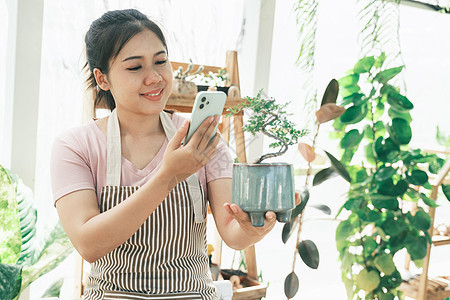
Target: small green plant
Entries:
(25, 253)
(270, 119)
(376, 125)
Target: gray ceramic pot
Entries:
(258, 188)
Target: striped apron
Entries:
(166, 257)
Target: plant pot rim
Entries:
(262, 164)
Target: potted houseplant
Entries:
(260, 187)
(182, 83)
(25, 253)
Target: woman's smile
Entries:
(154, 95)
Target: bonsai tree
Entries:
(270, 119)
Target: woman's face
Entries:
(140, 78)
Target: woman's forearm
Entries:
(104, 232)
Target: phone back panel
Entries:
(206, 104)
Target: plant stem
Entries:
(283, 149)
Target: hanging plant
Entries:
(376, 124)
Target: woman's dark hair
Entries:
(104, 40)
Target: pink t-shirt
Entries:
(78, 162)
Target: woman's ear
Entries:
(101, 79)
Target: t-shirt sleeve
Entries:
(69, 167)
(221, 165)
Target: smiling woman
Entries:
(130, 196)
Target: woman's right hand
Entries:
(180, 162)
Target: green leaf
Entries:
(344, 230)
(385, 263)
(348, 155)
(378, 128)
(309, 253)
(421, 220)
(331, 92)
(323, 208)
(357, 173)
(364, 65)
(388, 188)
(397, 101)
(384, 173)
(354, 114)
(380, 60)
(57, 248)
(351, 139)
(348, 80)
(388, 203)
(417, 177)
(370, 153)
(304, 196)
(11, 238)
(392, 281)
(352, 98)
(368, 215)
(324, 175)
(416, 246)
(291, 284)
(395, 114)
(384, 76)
(9, 275)
(386, 150)
(446, 191)
(288, 229)
(435, 165)
(54, 290)
(442, 138)
(400, 131)
(428, 201)
(368, 280)
(338, 167)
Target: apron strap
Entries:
(114, 152)
(192, 181)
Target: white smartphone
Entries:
(206, 104)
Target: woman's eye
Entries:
(161, 62)
(134, 68)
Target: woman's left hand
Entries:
(244, 221)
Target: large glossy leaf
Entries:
(328, 112)
(291, 284)
(400, 131)
(11, 238)
(384, 76)
(388, 188)
(385, 263)
(57, 247)
(8, 280)
(351, 139)
(338, 167)
(324, 175)
(309, 253)
(288, 229)
(354, 114)
(417, 177)
(331, 93)
(364, 65)
(323, 208)
(304, 196)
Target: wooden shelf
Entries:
(184, 103)
(252, 290)
(438, 288)
(440, 240)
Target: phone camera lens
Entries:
(207, 103)
(201, 106)
(203, 99)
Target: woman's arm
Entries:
(95, 234)
(232, 222)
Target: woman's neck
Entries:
(139, 125)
